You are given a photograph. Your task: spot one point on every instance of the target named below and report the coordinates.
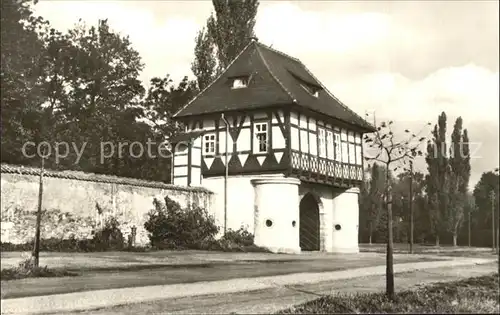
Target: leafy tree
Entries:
(204, 63)
(20, 78)
(482, 219)
(103, 92)
(163, 100)
(226, 33)
(402, 199)
(372, 205)
(459, 178)
(391, 154)
(438, 177)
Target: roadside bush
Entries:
(240, 237)
(172, 227)
(109, 237)
(27, 269)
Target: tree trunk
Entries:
(389, 277)
(454, 239)
(437, 240)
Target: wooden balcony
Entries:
(321, 170)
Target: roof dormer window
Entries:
(314, 91)
(241, 82)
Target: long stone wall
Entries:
(77, 203)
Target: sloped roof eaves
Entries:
(185, 136)
(263, 89)
(284, 67)
(92, 177)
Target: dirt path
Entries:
(274, 299)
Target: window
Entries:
(359, 156)
(314, 91)
(239, 83)
(330, 147)
(260, 141)
(209, 143)
(337, 148)
(352, 154)
(322, 142)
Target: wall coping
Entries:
(275, 180)
(97, 178)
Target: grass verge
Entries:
(26, 269)
(473, 295)
(39, 272)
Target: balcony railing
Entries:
(325, 170)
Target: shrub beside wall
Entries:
(172, 227)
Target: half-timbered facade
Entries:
(266, 121)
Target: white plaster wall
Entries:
(240, 193)
(346, 214)
(294, 137)
(277, 201)
(278, 140)
(244, 139)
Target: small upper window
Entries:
(209, 143)
(322, 142)
(260, 142)
(337, 146)
(314, 91)
(239, 83)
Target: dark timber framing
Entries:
(301, 163)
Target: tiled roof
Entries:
(275, 79)
(98, 178)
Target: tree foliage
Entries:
(227, 32)
(371, 205)
(82, 87)
(20, 77)
(448, 178)
(437, 177)
(459, 178)
(487, 186)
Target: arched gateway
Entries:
(309, 232)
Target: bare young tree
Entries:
(394, 155)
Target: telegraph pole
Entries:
(36, 247)
(411, 206)
(469, 224)
(492, 196)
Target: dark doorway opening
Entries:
(309, 223)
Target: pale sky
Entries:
(407, 61)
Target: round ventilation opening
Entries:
(294, 223)
(337, 227)
(269, 223)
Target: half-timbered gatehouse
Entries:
(283, 155)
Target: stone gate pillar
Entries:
(276, 214)
(345, 222)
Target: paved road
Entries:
(210, 270)
(110, 298)
(274, 299)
